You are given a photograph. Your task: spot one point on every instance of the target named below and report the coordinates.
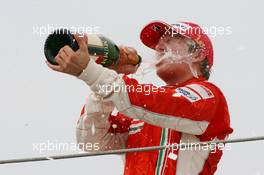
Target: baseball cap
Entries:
(152, 32)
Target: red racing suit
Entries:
(133, 115)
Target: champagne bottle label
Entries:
(103, 50)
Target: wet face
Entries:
(167, 68)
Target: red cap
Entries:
(152, 32)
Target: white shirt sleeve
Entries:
(93, 127)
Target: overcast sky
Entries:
(38, 105)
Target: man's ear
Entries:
(200, 56)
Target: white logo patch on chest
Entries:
(187, 93)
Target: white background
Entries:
(37, 105)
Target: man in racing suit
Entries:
(119, 113)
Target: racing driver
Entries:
(188, 109)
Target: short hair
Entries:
(205, 68)
(204, 65)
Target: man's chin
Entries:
(162, 70)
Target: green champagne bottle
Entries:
(101, 49)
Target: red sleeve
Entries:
(183, 102)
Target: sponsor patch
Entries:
(187, 93)
(204, 92)
(172, 156)
(135, 128)
(181, 26)
(156, 28)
